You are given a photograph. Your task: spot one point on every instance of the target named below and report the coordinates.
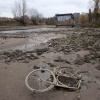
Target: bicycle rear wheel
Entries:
(68, 82)
(40, 80)
(68, 77)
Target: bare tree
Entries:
(51, 21)
(19, 11)
(90, 16)
(83, 19)
(24, 8)
(96, 10)
(15, 9)
(35, 16)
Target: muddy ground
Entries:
(75, 47)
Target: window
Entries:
(63, 18)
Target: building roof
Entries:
(64, 14)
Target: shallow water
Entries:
(35, 40)
(83, 88)
(38, 40)
(27, 30)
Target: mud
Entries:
(78, 48)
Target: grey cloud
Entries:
(48, 7)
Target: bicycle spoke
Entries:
(39, 80)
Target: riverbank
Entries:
(74, 47)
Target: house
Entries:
(65, 20)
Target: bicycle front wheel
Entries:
(40, 80)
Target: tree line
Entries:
(22, 15)
(92, 18)
(31, 16)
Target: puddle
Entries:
(83, 87)
(27, 30)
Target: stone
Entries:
(41, 51)
(36, 67)
(98, 67)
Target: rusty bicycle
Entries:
(42, 80)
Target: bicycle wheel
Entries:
(68, 77)
(40, 80)
(68, 82)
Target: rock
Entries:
(57, 59)
(7, 60)
(97, 44)
(90, 47)
(36, 67)
(1, 58)
(26, 61)
(51, 65)
(35, 55)
(98, 67)
(98, 54)
(79, 60)
(20, 58)
(50, 45)
(41, 51)
(2, 43)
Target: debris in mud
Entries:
(36, 67)
(12, 35)
(51, 65)
(85, 40)
(76, 41)
(98, 67)
(81, 60)
(26, 60)
(59, 59)
(41, 51)
(67, 80)
(18, 55)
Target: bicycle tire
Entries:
(50, 83)
(67, 77)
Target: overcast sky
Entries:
(47, 7)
